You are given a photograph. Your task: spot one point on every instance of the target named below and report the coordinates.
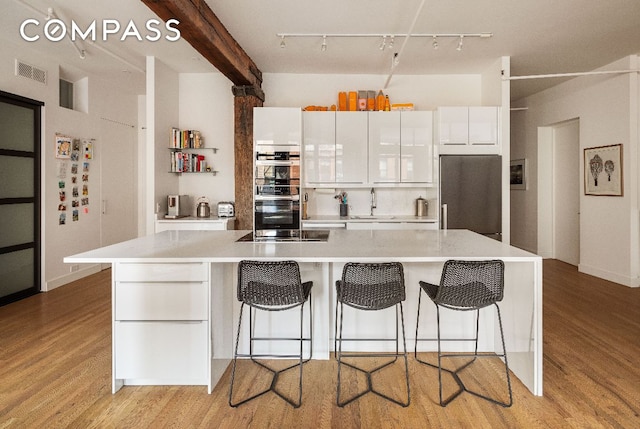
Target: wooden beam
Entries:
(203, 30)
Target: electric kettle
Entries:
(202, 209)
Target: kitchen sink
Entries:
(370, 217)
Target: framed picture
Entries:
(63, 147)
(518, 174)
(603, 170)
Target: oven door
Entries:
(277, 213)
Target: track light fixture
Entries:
(387, 41)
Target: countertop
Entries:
(342, 246)
(196, 219)
(367, 218)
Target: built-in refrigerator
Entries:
(471, 193)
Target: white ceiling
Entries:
(540, 36)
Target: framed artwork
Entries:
(518, 174)
(603, 170)
(63, 147)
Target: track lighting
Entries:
(384, 43)
(282, 44)
(324, 43)
(435, 42)
(459, 48)
(391, 42)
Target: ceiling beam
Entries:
(203, 30)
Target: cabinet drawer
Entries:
(191, 272)
(165, 352)
(161, 301)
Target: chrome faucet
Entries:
(373, 200)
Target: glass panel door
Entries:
(19, 197)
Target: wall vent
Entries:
(31, 72)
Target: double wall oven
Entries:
(277, 192)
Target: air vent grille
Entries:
(31, 72)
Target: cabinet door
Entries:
(416, 147)
(277, 125)
(351, 147)
(384, 147)
(483, 125)
(453, 125)
(319, 149)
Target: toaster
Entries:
(226, 209)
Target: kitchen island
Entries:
(175, 309)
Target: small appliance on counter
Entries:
(226, 209)
(178, 206)
(422, 207)
(203, 209)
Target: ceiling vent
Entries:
(31, 72)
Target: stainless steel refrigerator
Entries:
(471, 193)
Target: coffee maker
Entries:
(178, 206)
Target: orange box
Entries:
(353, 101)
(342, 101)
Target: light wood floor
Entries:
(55, 366)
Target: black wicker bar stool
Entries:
(465, 286)
(272, 286)
(367, 286)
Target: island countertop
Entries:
(342, 246)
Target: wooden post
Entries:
(245, 99)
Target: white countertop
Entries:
(342, 246)
(367, 218)
(196, 219)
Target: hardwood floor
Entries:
(55, 366)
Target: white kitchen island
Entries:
(175, 309)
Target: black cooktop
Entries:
(290, 236)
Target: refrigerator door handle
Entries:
(444, 216)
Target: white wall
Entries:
(606, 106)
(63, 240)
(206, 104)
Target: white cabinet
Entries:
(416, 147)
(468, 127)
(377, 225)
(277, 125)
(161, 327)
(384, 147)
(319, 148)
(351, 147)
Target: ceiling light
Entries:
(282, 44)
(459, 48)
(324, 43)
(435, 42)
(384, 43)
(391, 42)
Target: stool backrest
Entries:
(270, 283)
(371, 286)
(471, 284)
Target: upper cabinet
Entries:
(368, 148)
(384, 147)
(468, 129)
(351, 147)
(277, 126)
(319, 148)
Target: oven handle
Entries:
(277, 197)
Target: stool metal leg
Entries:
(370, 388)
(275, 373)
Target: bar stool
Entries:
(370, 287)
(465, 286)
(272, 286)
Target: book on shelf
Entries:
(183, 162)
(186, 139)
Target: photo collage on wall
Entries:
(74, 157)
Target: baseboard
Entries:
(71, 277)
(606, 275)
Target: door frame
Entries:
(36, 106)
